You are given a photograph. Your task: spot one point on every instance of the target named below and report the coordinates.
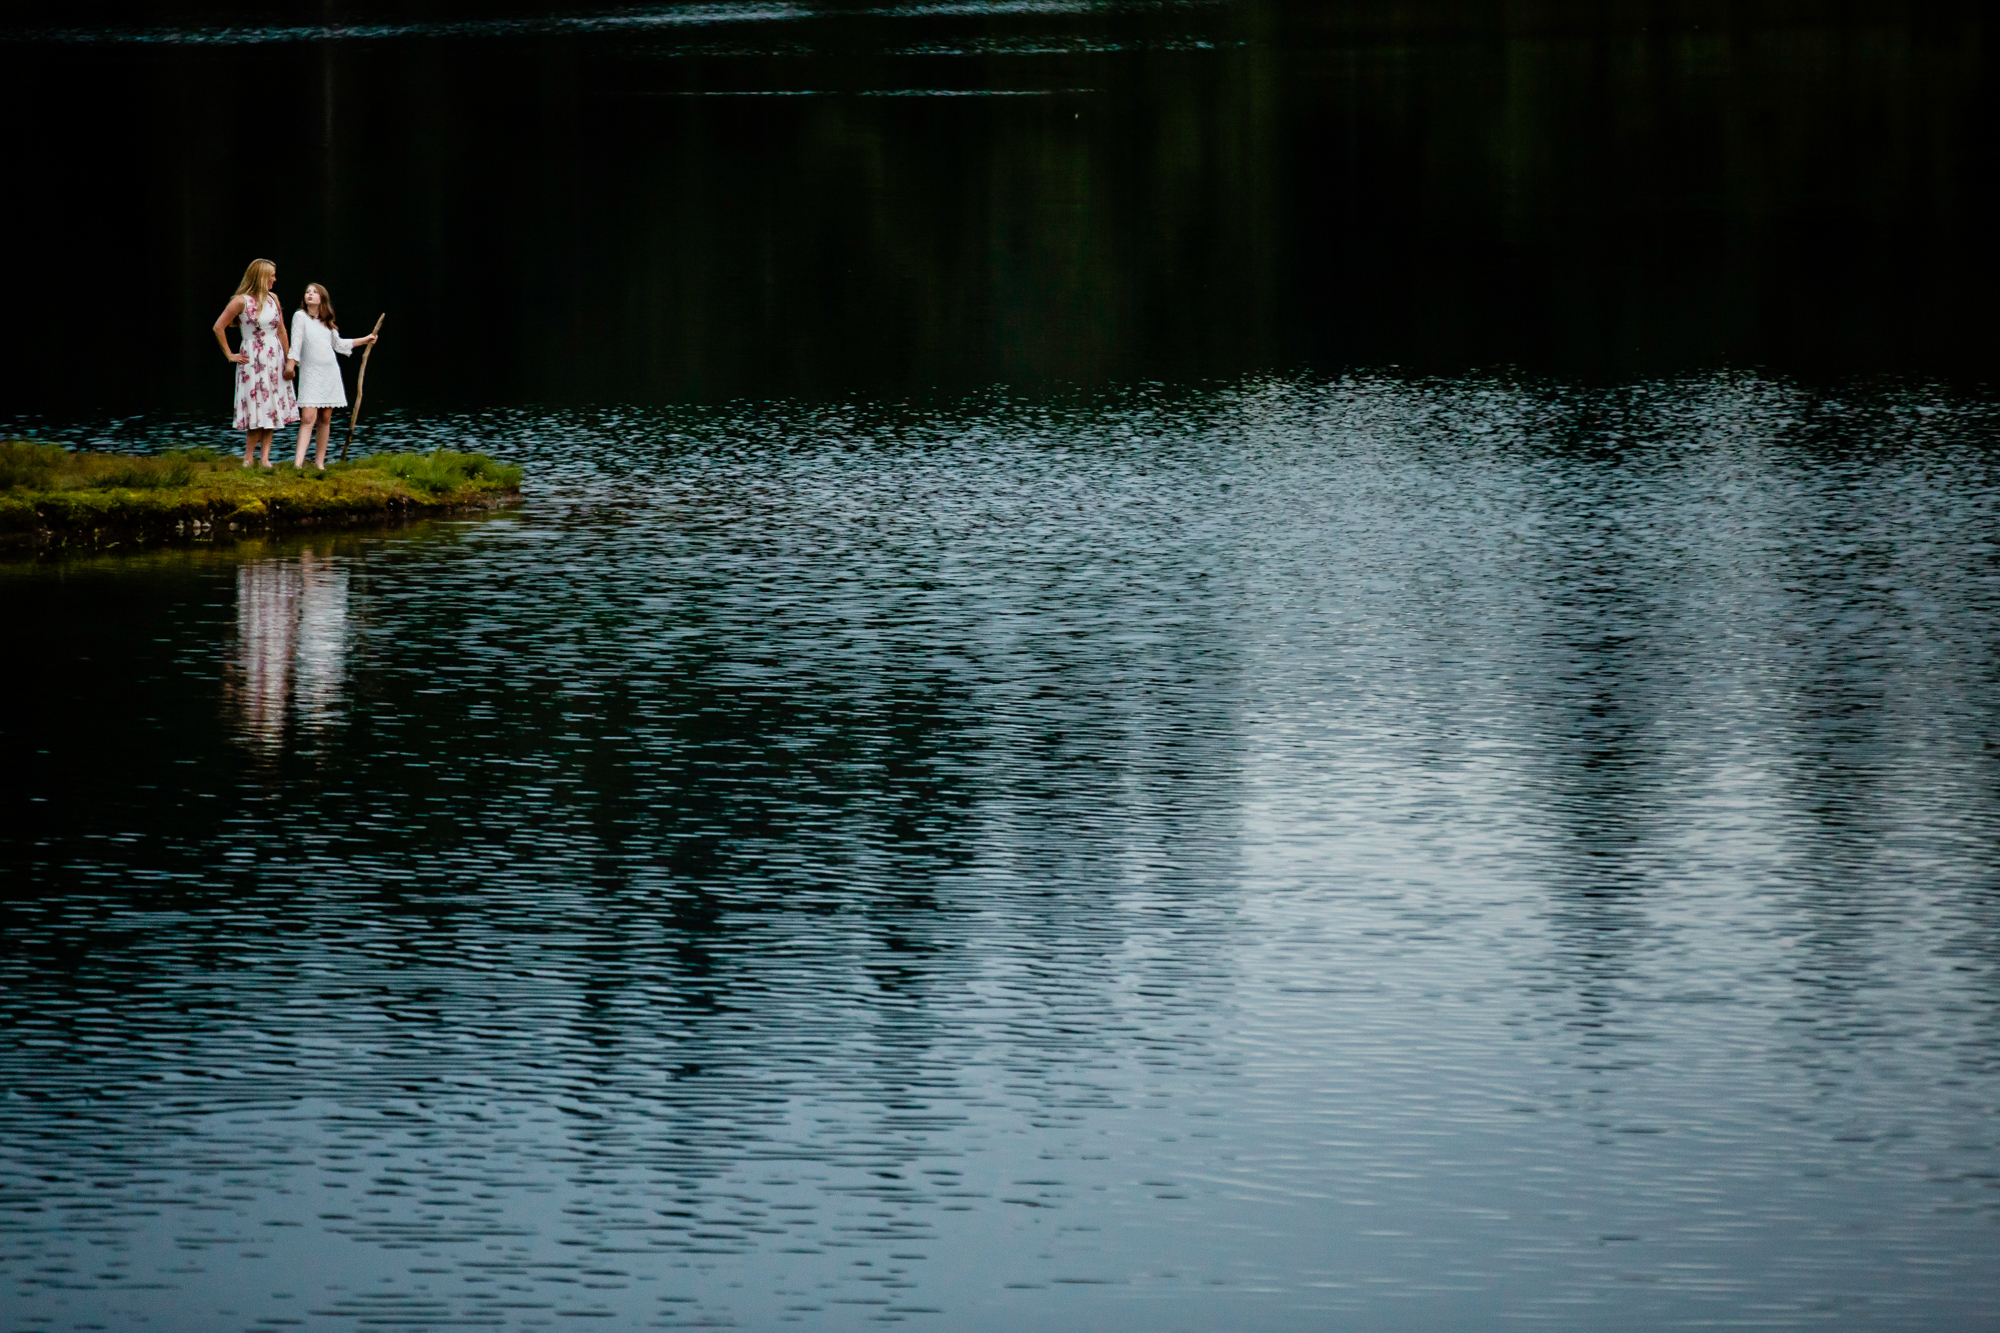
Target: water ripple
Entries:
(1388, 850)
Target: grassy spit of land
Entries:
(53, 497)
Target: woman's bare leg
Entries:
(325, 426)
(249, 447)
(306, 415)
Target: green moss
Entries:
(51, 496)
(443, 470)
(32, 466)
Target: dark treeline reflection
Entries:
(807, 201)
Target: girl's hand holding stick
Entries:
(361, 381)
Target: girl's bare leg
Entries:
(306, 415)
(325, 426)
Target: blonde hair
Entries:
(325, 304)
(256, 282)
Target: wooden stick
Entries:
(360, 380)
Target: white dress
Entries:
(313, 346)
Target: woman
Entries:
(263, 396)
(315, 338)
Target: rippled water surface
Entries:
(1301, 854)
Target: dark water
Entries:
(1416, 854)
(1165, 667)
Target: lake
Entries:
(1327, 668)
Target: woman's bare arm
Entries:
(228, 317)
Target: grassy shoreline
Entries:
(52, 498)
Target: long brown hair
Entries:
(325, 304)
(256, 282)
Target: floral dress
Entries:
(264, 399)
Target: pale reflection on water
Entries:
(291, 647)
(1378, 853)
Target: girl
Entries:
(315, 338)
(263, 398)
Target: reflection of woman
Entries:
(315, 338)
(263, 398)
(267, 629)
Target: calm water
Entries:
(1167, 668)
(1412, 854)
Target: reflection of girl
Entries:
(263, 399)
(315, 338)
